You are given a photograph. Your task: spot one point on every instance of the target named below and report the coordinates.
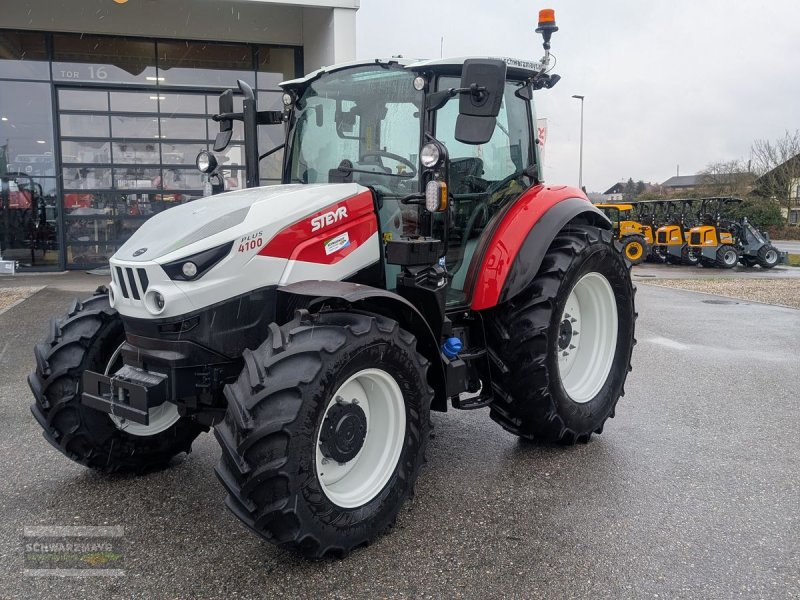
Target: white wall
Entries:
(326, 28)
(329, 36)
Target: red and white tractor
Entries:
(412, 260)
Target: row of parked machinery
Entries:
(690, 231)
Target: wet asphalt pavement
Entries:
(692, 491)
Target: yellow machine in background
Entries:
(712, 242)
(671, 244)
(636, 239)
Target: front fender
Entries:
(513, 253)
(383, 302)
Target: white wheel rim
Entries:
(356, 482)
(771, 256)
(587, 345)
(730, 257)
(161, 417)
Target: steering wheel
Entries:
(495, 187)
(396, 157)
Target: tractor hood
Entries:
(256, 238)
(187, 224)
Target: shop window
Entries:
(103, 60)
(181, 154)
(136, 178)
(134, 127)
(146, 102)
(86, 178)
(85, 151)
(26, 129)
(29, 220)
(183, 128)
(23, 55)
(84, 125)
(83, 100)
(191, 104)
(201, 64)
(136, 153)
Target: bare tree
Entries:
(777, 165)
(726, 178)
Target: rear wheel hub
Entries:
(343, 432)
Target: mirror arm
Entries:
(228, 117)
(270, 117)
(269, 152)
(413, 199)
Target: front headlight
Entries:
(191, 268)
(430, 155)
(206, 162)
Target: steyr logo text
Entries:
(328, 218)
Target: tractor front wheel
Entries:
(565, 343)
(325, 431)
(634, 248)
(89, 337)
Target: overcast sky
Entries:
(667, 83)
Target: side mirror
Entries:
(478, 108)
(225, 125)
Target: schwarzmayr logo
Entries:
(69, 551)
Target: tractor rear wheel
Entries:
(326, 431)
(89, 337)
(564, 344)
(768, 256)
(727, 257)
(634, 248)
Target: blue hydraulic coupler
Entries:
(452, 347)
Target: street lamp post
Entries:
(580, 164)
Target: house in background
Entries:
(614, 193)
(683, 183)
(710, 184)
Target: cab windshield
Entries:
(369, 116)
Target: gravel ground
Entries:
(9, 296)
(784, 292)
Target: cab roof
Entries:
(517, 69)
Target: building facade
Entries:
(104, 105)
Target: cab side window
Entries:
(483, 177)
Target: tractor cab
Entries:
(444, 145)
(400, 128)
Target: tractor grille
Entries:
(132, 282)
(694, 238)
(661, 237)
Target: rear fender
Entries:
(514, 248)
(313, 294)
